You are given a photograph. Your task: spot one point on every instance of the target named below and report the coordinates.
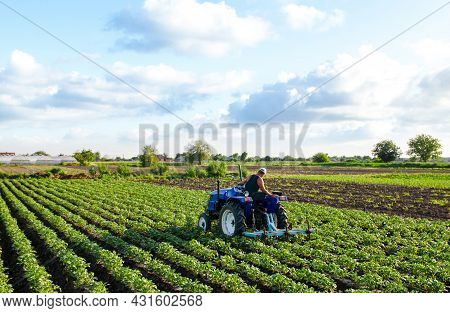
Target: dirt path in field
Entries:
(400, 200)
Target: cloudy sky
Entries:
(237, 61)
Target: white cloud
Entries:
(284, 76)
(434, 52)
(188, 26)
(161, 74)
(23, 63)
(302, 17)
(364, 92)
(379, 98)
(31, 91)
(77, 133)
(221, 82)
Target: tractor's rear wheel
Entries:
(282, 219)
(261, 221)
(204, 222)
(232, 219)
(259, 218)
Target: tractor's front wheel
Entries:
(204, 222)
(232, 219)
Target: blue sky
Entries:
(213, 61)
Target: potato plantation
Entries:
(123, 236)
(386, 198)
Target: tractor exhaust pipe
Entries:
(218, 194)
(240, 172)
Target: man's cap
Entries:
(263, 170)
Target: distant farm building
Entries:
(21, 160)
(46, 160)
(7, 154)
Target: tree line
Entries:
(420, 148)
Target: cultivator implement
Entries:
(272, 231)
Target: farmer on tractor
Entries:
(254, 183)
(251, 207)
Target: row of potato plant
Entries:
(419, 264)
(319, 280)
(38, 279)
(5, 286)
(336, 272)
(130, 278)
(74, 266)
(231, 283)
(348, 244)
(243, 268)
(205, 254)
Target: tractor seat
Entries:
(258, 196)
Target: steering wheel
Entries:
(239, 188)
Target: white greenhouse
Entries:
(23, 159)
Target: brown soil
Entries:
(400, 200)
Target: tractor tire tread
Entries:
(207, 220)
(239, 217)
(282, 218)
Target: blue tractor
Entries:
(239, 214)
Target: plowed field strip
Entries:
(431, 203)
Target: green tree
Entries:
(191, 172)
(217, 169)
(218, 157)
(234, 157)
(84, 157)
(160, 169)
(198, 151)
(243, 156)
(321, 157)
(148, 157)
(288, 158)
(123, 170)
(424, 147)
(40, 153)
(386, 150)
